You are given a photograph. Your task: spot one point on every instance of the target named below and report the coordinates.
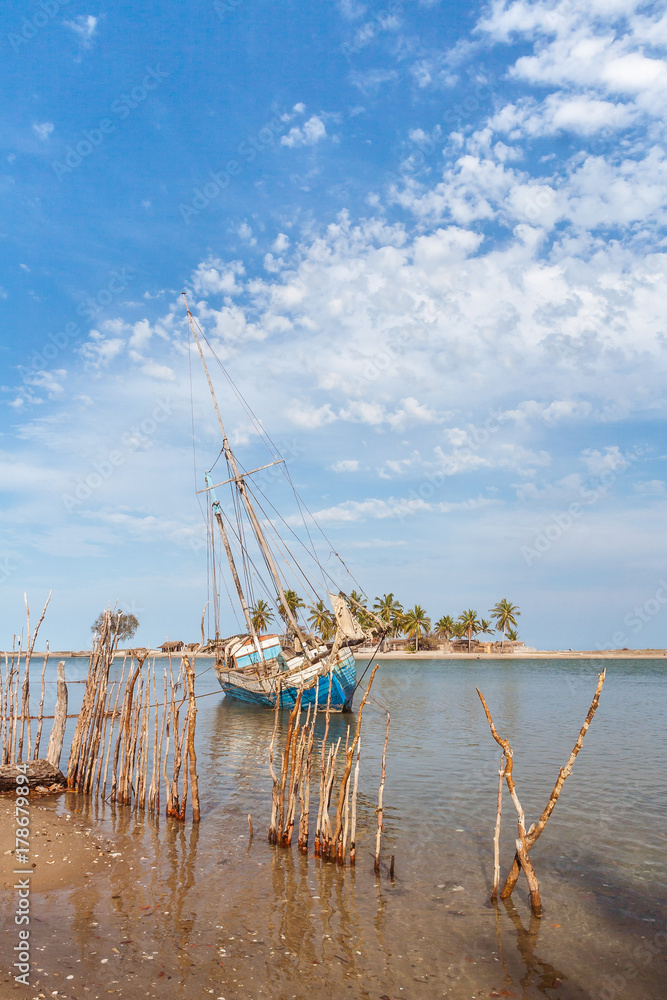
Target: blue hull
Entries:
(343, 683)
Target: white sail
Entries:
(348, 625)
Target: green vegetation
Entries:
(122, 626)
(505, 615)
(261, 616)
(413, 622)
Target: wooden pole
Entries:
(349, 757)
(273, 823)
(380, 810)
(59, 719)
(496, 835)
(192, 758)
(353, 821)
(40, 715)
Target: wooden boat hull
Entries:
(312, 679)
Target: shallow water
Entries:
(194, 913)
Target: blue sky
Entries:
(426, 239)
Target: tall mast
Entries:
(215, 504)
(240, 484)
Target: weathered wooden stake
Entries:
(59, 719)
(380, 810)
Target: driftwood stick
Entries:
(59, 719)
(285, 763)
(304, 821)
(192, 757)
(565, 772)
(496, 835)
(113, 722)
(40, 714)
(349, 757)
(353, 820)
(273, 829)
(123, 731)
(380, 809)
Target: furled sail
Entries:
(348, 625)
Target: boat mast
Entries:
(215, 505)
(240, 484)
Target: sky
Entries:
(427, 242)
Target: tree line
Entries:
(413, 622)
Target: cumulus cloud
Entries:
(310, 133)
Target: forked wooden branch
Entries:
(537, 828)
(525, 839)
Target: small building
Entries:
(461, 645)
(395, 645)
(172, 647)
(192, 647)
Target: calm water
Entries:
(195, 914)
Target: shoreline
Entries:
(535, 654)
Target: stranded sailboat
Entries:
(261, 668)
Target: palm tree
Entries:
(261, 616)
(485, 626)
(459, 630)
(322, 620)
(294, 602)
(512, 635)
(390, 611)
(505, 615)
(357, 603)
(415, 621)
(445, 626)
(471, 624)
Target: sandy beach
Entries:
(573, 654)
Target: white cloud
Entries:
(310, 133)
(309, 417)
(43, 129)
(395, 507)
(346, 465)
(600, 462)
(162, 372)
(650, 488)
(217, 277)
(84, 26)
